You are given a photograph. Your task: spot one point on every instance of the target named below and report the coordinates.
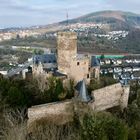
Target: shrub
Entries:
(102, 126)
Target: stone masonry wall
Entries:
(80, 71)
(48, 110)
(105, 98)
(110, 96)
(66, 50)
(125, 97)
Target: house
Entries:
(126, 75)
(136, 68)
(116, 76)
(107, 61)
(117, 69)
(3, 72)
(127, 69)
(119, 61)
(135, 75)
(110, 70)
(136, 61)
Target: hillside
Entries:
(131, 43)
(116, 20)
(98, 32)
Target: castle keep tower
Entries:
(66, 50)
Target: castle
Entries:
(67, 62)
(82, 68)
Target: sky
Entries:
(24, 13)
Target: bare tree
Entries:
(14, 125)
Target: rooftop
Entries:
(46, 58)
(94, 61)
(83, 93)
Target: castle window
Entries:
(78, 63)
(87, 75)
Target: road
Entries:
(19, 69)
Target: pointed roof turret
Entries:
(94, 61)
(83, 93)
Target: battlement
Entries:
(67, 35)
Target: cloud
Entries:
(125, 5)
(12, 12)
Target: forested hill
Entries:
(117, 20)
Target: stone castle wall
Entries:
(49, 110)
(105, 98)
(110, 96)
(79, 70)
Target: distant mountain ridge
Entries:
(117, 20)
(98, 32)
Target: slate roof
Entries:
(136, 74)
(94, 61)
(81, 56)
(45, 58)
(83, 93)
(59, 74)
(124, 82)
(126, 75)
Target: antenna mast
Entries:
(67, 16)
